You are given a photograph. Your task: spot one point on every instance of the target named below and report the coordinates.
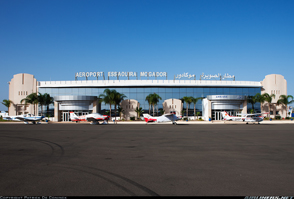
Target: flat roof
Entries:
(146, 83)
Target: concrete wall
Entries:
(20, 86)
(129, 106)
(173, 105)
(274, 84)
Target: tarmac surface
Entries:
(68, 159)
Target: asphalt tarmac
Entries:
(146, 160)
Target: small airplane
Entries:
(94, 118)
(26, 118)
(256, 117)
(170, 117)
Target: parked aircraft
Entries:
(256, 117)
(94, 118)
(170, 117)
(26, 118)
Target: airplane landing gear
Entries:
(174, 123)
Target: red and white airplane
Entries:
(170, 117)
(255, 117)
(94, 118)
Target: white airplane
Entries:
(256, 117)
(170, 117)
(26, 118)
(94, 118)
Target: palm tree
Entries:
(47, 101)
(118, 98)
(148, 99)
(188, 101)
(194, 101)
(268, 99)
(41, 101)
(31, 99)
(154, 100)
(139, 111)
(285, 100)
(108, 98)
(6, 103)
(254, 99)
(120, 110)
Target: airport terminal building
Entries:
(220, 93)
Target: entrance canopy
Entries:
(226, 102)
(72, 102)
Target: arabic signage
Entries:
(184, 75)
(218, 76)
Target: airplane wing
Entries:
(256, 114)
(243, 114)
(93, 119)
(7, 118)
(29, 119)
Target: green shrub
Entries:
(132, 118)
(278, 117)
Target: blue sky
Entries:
(54, 39)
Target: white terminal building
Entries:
(220, 93)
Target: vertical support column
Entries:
(96, 106)
(56, 112)
(209, 109)
(244, 110)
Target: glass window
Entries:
(169, 90)
(212, 91)
(176, 90)
(82, 91)
(220, 90)
(140, 96)
(148, 90)
(132, 96)
(198, 90)
(161, 89)
(190, 90)
(245, 90)
(233, 90)
(257, 90)
(133, 90)
(125, 90)
(94, 91)
(154, 90)
(239, 91)
(120, 90)
(226, 91)
(140, 90)
(168, 95)
(183, 90)
(182, 95)
(176, 95)
(88, 91)
(162, 95)
(75, 91)
(206, 90)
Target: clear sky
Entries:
(54, 39)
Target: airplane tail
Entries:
(146, 115)
(72, 116)
(148, 118)
(225, 115)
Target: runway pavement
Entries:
(232, 159)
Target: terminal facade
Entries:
(81, 96)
